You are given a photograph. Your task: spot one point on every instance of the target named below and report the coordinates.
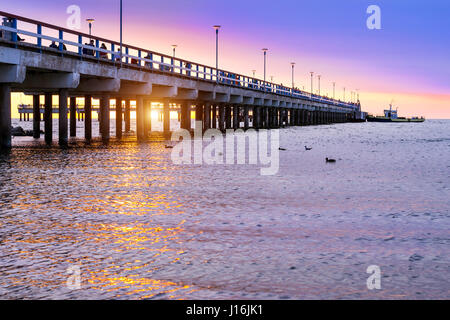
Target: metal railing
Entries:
(132, 56)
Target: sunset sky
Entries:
(406, 61)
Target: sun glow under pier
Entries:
(73, 69)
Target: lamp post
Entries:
(293, 66)
(344, 94)
(217, 27)
(312, 75)
(174, 47)
(265, 58)
(121, 33)
(357, 95)
(90, 21)
(271, 79)
(318, 77)
(254, 71)
(334, 89)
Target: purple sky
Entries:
(408, 60)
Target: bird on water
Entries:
(330, 160)
(307, 149)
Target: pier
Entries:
(75, 69)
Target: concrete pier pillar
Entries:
(119, 118)
(166, 123)
(198, 112)
(246, 120)
(279, 117)
(221, 117)
(63, 124)
(147, 118)
(140, 115)
(185, 121)
(267, 117)
(48, 118)
(73, 116)
(5, 116)
(36, 117)
(255, 117)
(235, 117)
(105, 118)
(88, 118)
(127, 115)
(214, 116)
(228, 123)
(260, 117)
(207, 116)
(275, 118)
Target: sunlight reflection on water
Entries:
(140, 227)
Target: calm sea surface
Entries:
(140, 227)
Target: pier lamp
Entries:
(254, 72)
(174, 47)
(312, 75)
(271, 79)
(318, 77)
(265, 58)
(293, 65)
(344, 94)
(217, 27)
(334, 89)
(90, 21)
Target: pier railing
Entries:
(89, 47)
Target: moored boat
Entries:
(392, 116)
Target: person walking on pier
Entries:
(188, 66)
(53, 45)
(148, 64)
(103, 55)
(118, 56)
